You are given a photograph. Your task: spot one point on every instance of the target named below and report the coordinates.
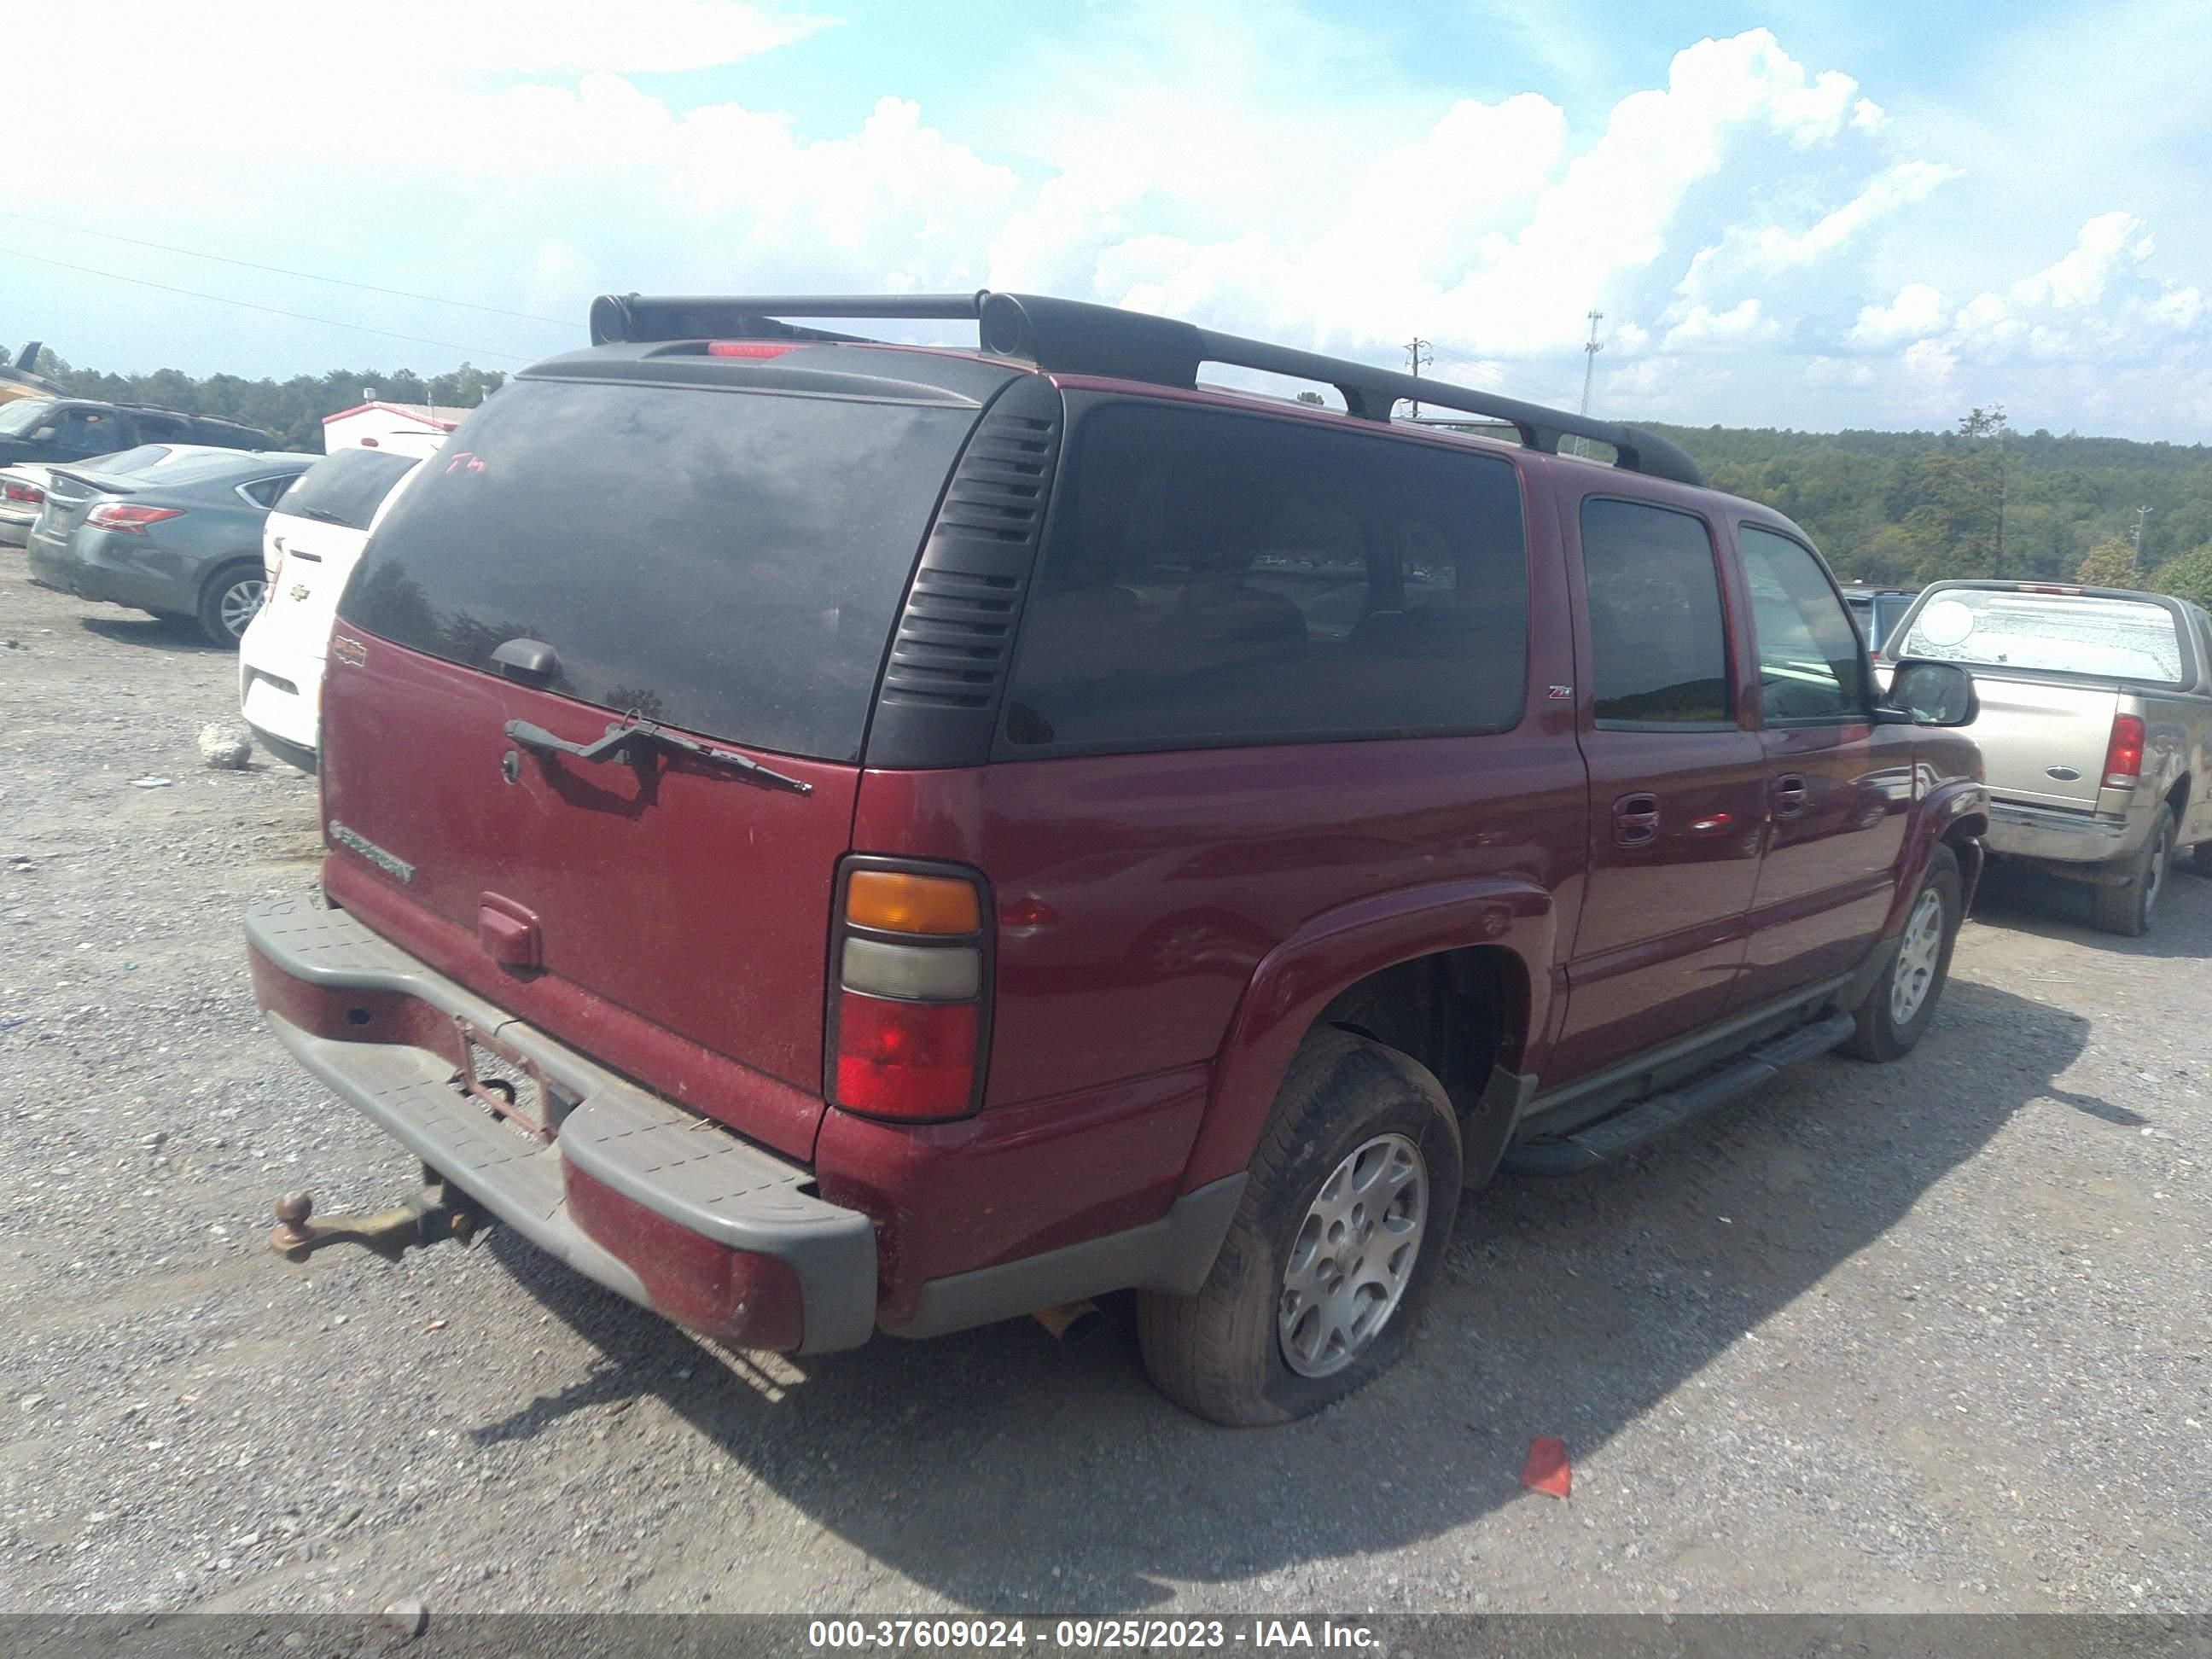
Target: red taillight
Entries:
(914, 1060)
(132, 520)
(29, 494)
(909, 989)
(2124, 754)
(745, 349)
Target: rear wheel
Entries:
(230, 601)
(1335, 1247)
(2126, 910)
(2200, 859)
(1901, 1006)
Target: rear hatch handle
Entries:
(615, 740)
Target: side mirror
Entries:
(1930, 694)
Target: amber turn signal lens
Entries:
(901, 903)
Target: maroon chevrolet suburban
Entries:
(829, 836)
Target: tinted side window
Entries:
(1658, 645)
(1811, 659)
(161, 429)
(1214, 578)
(345, 488)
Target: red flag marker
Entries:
(1546, 1471)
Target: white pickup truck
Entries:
(2095, 729)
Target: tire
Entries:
(2200, 859)
(2126, 910)
(1898, 1010)
(232, 597)
(1346, 1102)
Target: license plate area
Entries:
(506, 1084)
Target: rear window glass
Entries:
(2048, 633)
(207, 466)
(1216, 578)
(727, 562)
(345, 488)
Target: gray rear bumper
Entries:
(2055, 836)
(691, 1172)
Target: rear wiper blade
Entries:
(620, 733)
(323, 516)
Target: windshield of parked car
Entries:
(2048, 633)
(24, 416)
(727, 563)
(346, 487)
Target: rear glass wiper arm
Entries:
(620, 733)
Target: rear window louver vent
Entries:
(957, 632)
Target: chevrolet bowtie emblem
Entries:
(299, 590)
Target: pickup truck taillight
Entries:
(132, 520)
(24, 495)
(2124, 754)
(907, 1003)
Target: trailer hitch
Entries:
(426, 1217)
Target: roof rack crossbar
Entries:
(1074, 337)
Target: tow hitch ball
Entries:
(425, 1218)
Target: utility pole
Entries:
(1417, 356)
(2135, 537)
(1590, 357)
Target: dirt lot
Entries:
(1926, 1336)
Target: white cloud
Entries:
(1917, 309)
(1839, 372)
(1738, 323)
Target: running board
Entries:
(1611, 1137)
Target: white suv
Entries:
(313, 540)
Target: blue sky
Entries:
(1792, 214)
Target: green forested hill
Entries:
(1909, 506)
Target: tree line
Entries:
(290, 411)
(1906, 508)
(1893, 508)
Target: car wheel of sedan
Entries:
(2126, 910)
(1335, 1249)
(230, 601)
(1898, 1010)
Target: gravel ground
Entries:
(1922, 1337)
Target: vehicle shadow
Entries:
(1004, 1470)
(2054, 909)
(152, 633)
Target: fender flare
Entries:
(1296, 980)
(1938, 815)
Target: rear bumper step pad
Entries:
(691, 1172)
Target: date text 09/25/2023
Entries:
(1084, 1635)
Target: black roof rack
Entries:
(1072, 336)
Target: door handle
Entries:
(1789, 795)
(1636, 820)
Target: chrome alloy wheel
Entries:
(1917, 953)
(1354, 1256)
